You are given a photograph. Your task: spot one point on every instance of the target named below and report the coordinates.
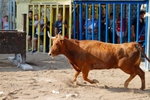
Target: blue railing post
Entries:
(74, 21)
(86, 29)
(106, 36)
(129, 22)
(93, 11)
(99, 24)
(147, 37)
(121, 24)
(114, 22)
(137, 28)
(80, 20)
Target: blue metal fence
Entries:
(115, 13)
(126, 15)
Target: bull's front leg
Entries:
(85, 76)
(75, 76)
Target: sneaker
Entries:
(34, 51)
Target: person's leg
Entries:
(47, 44)
(29, 42)
(35, 43)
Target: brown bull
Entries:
(87, 55)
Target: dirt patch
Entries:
(51, 80)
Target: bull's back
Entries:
(114, 55)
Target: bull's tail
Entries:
(139, 46)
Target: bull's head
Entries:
(56, 48)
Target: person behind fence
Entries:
(118, 28)
(5, 25)
(59, 25)
(41, 32)
(30, 30)
(141, 25)
(89, 27)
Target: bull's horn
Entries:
(59, 32)
(60, 36)
(49, 35)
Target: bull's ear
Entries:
(50, 36)
(60, 37)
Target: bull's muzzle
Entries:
(49, 54)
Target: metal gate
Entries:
(124, 16)
(50, 12)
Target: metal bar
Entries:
(39, 28)
(121, 24)
(111, 2)
(99, 24)
(51, 22)
(80, 20)
(106, 36)
(10, 14)
(14, 15)
(137, 28)
(86, 29)
(147, 37)
(74, 22)
(63, 27)
(27, 25)
(1, 14)
(44, 42)
(93, 22)
(70, 20)
(57, 10)
(114, 22)
(129, 22)
(33, 29)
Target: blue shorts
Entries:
(41, 37)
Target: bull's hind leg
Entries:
(85, 76)
(141, 74)
(129, 79)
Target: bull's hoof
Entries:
(142, 88)
(125, 85)
(95, 81)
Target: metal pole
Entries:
(10, 14)
(99, 24)
(137, 28)
(121, 22)
(86, 29)
(80, 19)
(129, 23)
(14, 14)
(147, 66)
(114, 22)
(106, 36)
(74, 21)
(93, 10)
(1, 14)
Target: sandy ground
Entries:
(50, 80)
